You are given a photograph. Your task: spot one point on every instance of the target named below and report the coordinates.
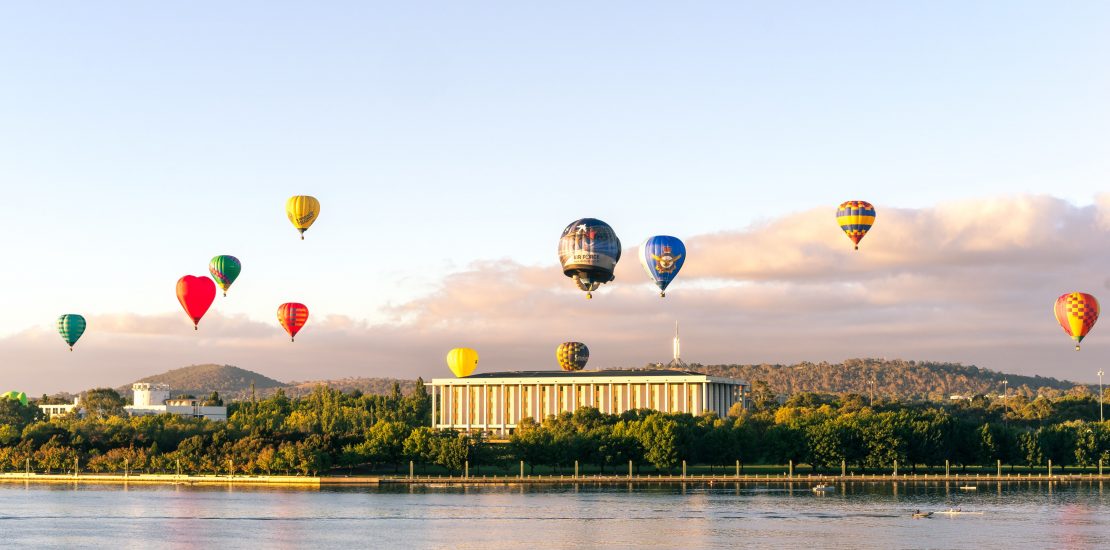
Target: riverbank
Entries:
(307, 481)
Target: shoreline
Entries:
(321, 481)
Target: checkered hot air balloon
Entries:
(1077, 313)
(855, 218)
(572, 356)
(292, 317)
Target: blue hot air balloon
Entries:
(662, 256)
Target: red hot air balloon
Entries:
(196, 295)
(292, 316)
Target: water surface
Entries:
(568, 516)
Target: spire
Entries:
(677, 345)
(677, 360)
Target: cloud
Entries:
(969, 281)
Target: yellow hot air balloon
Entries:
(462, 361)
(302, 211)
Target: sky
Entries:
(450, 143)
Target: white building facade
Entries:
(497, 402)
(155, 399)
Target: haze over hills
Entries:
(895, 378)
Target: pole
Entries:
(629, 469)
(76, 465)
(1050, 467)
(466, 469)
(737, 468)
(843, 468)
(28, 466)
(683, 469)
(791, 468)
(521, 469)
(946, 473)
(999, 468)
(895, 468)
(410, 469)
(126, 466)
(575, 469)
(1100, 417)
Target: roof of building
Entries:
(584, 373)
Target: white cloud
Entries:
(970, 281)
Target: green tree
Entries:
(102, 403)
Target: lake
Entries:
(1059, 515)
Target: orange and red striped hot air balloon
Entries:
(1077, 313)
(292, 316)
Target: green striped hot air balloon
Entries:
(225, 269)
(71, 326)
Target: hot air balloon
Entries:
(1077, 313)
(302, 211)
(196, 295)
(662, 257)
(71, 326)
(292, 316)
(462, 361)
(572, 356)
(225, 269)
(589, 251)
(855, 218)
(15, 396)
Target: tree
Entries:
(102, 403)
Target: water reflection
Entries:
(579, 514)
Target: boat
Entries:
(918, 515)
(823, 489)
(968, 488)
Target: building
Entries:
(61, 409)
(498, 401)
(155, 399)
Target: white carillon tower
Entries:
(677, 345)
(677, 360)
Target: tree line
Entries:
(330, 430)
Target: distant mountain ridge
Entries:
(204, 379)
(895, 378)
(235, 383)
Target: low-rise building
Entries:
(498, 401)
(60, 409)
(155, 399)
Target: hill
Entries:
(896, 378)
(203, 379)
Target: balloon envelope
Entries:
(196, 295)
(588, 251)
(855, 218)
(16, 396)
(462, 361)
(662, 257)
(225, 269)
(71, 326)
(302, 211)
(572, 356)
(292, 316)
(1076, 312)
